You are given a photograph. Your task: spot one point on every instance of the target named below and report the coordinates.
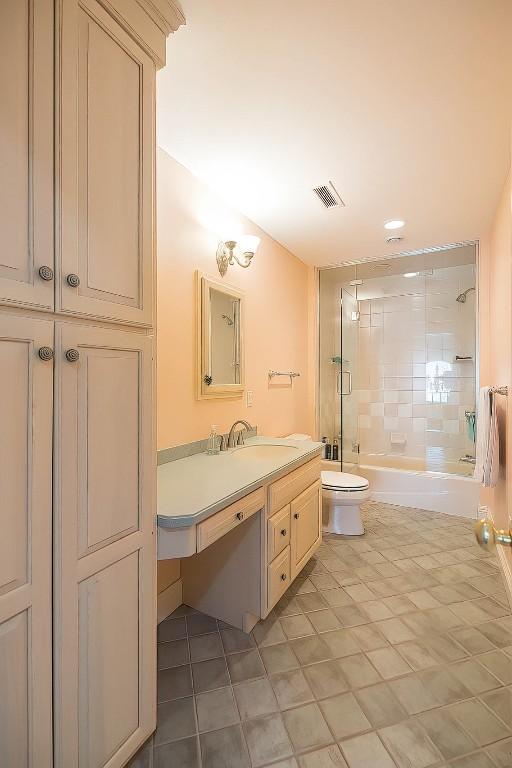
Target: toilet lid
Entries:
(343, 481)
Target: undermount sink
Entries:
(265, 451)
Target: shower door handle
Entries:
(339, 383)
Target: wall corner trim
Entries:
(170, 599)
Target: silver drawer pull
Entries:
(72, 355)
(240, 515)
(283, 532)
(46, 273)
(283, 577)
(45, 353)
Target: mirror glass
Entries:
(220, 339)
(224, 338)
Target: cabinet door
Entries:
(107, 129)
(25, 544)
(306, 526)
(26, 152)
(105, 561)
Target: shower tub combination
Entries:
(398, 376)
(444, 492)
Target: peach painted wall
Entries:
(495, 296)
(278, 323)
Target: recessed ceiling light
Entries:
(394, 224)
(411, 274)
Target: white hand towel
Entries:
(487, 440)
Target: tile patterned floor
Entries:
(390, 651)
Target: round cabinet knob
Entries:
(240, 515)
(72, 355)
(296, 515)
(46, 273)
(45, 353)
(73, 280)
(283, 532)
(283, 577)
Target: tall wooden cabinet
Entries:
(26, 153)
(26, 411)
(105, 582)
(106, 120)
(77, 453)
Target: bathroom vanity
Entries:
(244, 522)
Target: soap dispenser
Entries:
(213, 445)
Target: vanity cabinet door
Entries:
(106, 124)
(25, 543)
(306, 526)
(105, 548)
(26, 153)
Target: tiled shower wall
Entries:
(410, 395)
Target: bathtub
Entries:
(406, 486)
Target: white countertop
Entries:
(193, 488)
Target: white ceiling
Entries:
(404, 104)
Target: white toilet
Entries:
(342, 496)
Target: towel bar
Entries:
(499, 390)
(291, 374)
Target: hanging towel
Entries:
(471, 425)
(487, 440)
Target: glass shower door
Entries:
(346, 384)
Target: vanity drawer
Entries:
(278, 532)
(278, 577)
(224, 521)
(288, 487)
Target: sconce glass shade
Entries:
(249, 243)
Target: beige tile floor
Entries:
(393, 650)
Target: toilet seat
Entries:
(343, 481)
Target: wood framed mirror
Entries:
(220, 339)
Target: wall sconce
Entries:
(242, 252)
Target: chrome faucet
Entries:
(239, 439)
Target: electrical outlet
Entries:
(249, 398)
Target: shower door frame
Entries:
(342, 394)
(355, 263)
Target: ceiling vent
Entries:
(328, 195)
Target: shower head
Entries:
(462, 297)
(229, 321)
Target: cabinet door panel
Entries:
(108, 616)
(106, 550)
(109, 493)
(25, 544)
(26, 151)
(107, 126)
(14, 704)
(306, 522)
